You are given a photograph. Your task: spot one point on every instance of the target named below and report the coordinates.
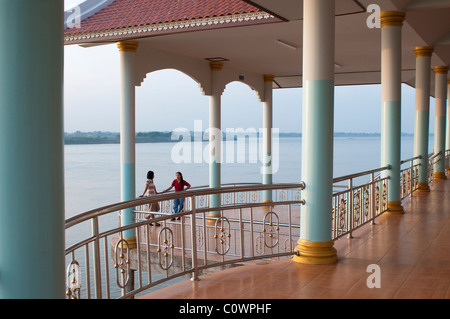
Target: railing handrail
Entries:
(172, 195)
(433, 156)
(410, 159)
(351, 176)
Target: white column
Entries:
(422, 112)
(267, 135)
(391, 41)
(127, 133)
(447, 139)
(439, 120)
(32, 262)
(315, 245)
(215, 137)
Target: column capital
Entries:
(392, 18)
(268, 77)
(442, 69)
(216, 65)
(423, 51)
(127, 46)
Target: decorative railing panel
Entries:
(107, 265)
(409, 177)
(356, 205)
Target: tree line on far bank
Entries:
(98, 137)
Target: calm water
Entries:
(92, 172)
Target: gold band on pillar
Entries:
(216, 65)
(395, 207)
(392, 18)
(316, 252)
(423, 187)
(268, 78)
(443, 69)
(439, 176)
(423, 51)
(127, 46)
(128, 243)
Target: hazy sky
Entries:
(169, 99)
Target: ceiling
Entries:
(276, 47)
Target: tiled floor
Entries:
(412, 251)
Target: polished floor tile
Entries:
(412, 251)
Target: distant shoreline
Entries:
(98, 137)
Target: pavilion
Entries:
(313, 44)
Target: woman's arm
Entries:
(145, 190)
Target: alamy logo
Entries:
(374, 279)
(373, 21)
(73, 19)
(240, 146)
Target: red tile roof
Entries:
(131, 13)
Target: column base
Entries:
(267, 209)
(130, 243)
(395, 207)
(423, 187)
(212, 219)
(439, 176)
(316, 252)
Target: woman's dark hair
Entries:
(181, 175)
(150, 174)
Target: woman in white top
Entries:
(150, 189)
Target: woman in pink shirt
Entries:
(179, 184)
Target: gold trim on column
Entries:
(423, 187)
(130, 243)
(316, 252)
(127, 46)
(392, 18)
(439, 176)
(442, 69)
(448, 81)
(268, 77)
(216, 65)
(423, 51)
(395, 207)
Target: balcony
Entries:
(246, 252)
(411, 251)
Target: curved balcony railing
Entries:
(105, 264)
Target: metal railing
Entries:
(409, 177)
(103, 266)
(432, 159)
(360, 204)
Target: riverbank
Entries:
(98, 137)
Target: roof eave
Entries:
(149, 30)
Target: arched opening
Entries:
(171, 115)
(241, 126)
